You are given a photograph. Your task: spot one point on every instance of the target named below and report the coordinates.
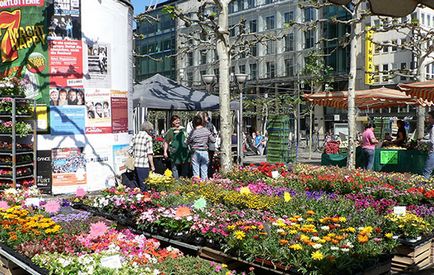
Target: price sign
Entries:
(389, 157)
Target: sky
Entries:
(139, 5)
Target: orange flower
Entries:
(283, 242)
(362, 238)
(183, 211)
(310, 212)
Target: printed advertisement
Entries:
(120, 155)
(66, 96)
(98, 119)
(23, 45)
(43, 171)
(67, 120)
(66, 63)
(65, 20)
(119, 102)
(68, 166)
(100, 173)
(98, 66)
(41, 119)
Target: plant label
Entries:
(275, 174)
(399, 210)
(111, 262)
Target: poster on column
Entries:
(100, 174)
(66, 63)
(119, 108)
(68, 166)
(98, 65)
(65, 20)
(98, 119)
(66, 118)
(120, 155)
(43, 171)
(23, 46)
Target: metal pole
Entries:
(297, 138)
(240, 125)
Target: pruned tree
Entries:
(418, 41)
(207, 28)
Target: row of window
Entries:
(386, 72)
(425, 20)
(158, 46)
(164, 23)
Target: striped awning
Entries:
(423, 90)
(364, 99)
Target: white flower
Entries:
(325, 227)
(345, 249)
(334, 248)
(314, 238)
(156, 272)
(317, 246)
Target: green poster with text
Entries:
(389, 157)
(24, 49)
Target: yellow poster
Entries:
(369, 56)
(41, 118)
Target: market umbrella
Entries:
(423, 90)
(365, 99)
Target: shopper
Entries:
(401, 137)
(175, 148)
(258, 143)
(212, 148)
(368, 146)
(199, 139)
(429, 164)
(141, 150)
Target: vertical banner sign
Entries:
(23, 45)
(369, 56)
(68, 167)
(119, 102)
(43, 171)
(98, 108)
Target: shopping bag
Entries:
(129, 163)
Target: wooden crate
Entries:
(412, 259)
(10, 268)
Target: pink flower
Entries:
(52, 207)
(80, 192)
(4, 205)
(97, 229)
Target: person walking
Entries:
(429, 163)
(258, 143)
(199, 139)
(175, 148)
(212, 148)
(141, 150)
(368, 146)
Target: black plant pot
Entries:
(212, 244)
(198, 240)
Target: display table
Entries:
(385, 160)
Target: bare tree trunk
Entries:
(224, 91)
(310, 131)
(351, 93)
(420, 109)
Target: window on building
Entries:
(404, 19)
(240, 4)
(270, 70)
(190, 78)
(385, 48)
(403, 70)
(231, 7)
(253, 71)
(269, 1)
(190, 59)
(385, 72)
(216, 57)
(253, 26)
(269, 22)
(203, 57)
(289, 67)
(422, 16)
(309, 39)
(251, 4)
(414, 16)
(428, 20)
(403, 41)
(231, 30)
(376, 74)
(376, 23)
(394, 45)
(254, 50)
(288, 17)
(242, 69)
(309, 14)
(216, 73)
(271, 47)
(202, 73)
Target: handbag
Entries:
(130, 163)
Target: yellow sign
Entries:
(369, 56)
(41, 118)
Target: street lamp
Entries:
(240, 80)
(209, 80)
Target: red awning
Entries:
(364, 99)
(423, 90)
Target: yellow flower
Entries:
(293, 232)
(280, 222)
(351, 229)
(389, 235)
(228, 273)
(317, 255)
(286, 196)
(245, 190)
(304, 238)
(239, 235)
(168, 173)
(362, 238)
(342, 219)
(231, 227)
(224, 265)
(296, 246)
